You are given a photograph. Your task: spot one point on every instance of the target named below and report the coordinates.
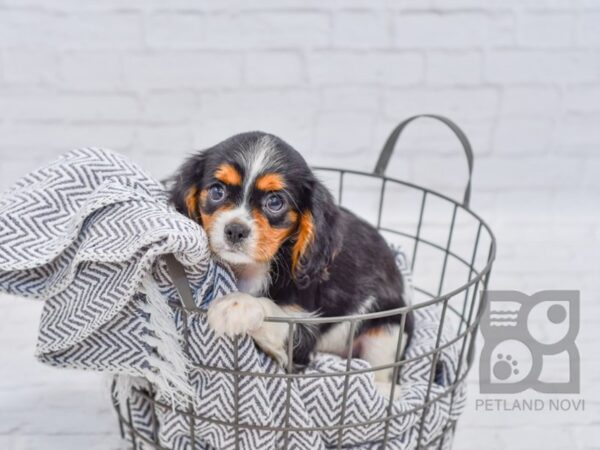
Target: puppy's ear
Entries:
(185, 192)
(318, 238)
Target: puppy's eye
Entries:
(274, 203)
(216, 192)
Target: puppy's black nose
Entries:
(236, 232)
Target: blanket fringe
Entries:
(169, 362)
(123, 385)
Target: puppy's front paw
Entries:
(235, 313)
(385, 389)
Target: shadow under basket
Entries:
(445, 252)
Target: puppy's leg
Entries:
(235, 313)
(241, 313)
(378, 347)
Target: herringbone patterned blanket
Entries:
(86, 234)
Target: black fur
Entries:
(348, 260)
(361, 264)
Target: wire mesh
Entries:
(461, 304)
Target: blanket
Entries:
(88, 235)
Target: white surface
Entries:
(42, 407)
(155, 80)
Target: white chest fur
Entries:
(253, 279)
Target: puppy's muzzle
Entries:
(236, 232)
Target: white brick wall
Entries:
(157, 79)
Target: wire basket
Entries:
(442, 230)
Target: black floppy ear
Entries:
(318, 238)
(185, 192)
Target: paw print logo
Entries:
(505, 367)
(510, 362)
(523, 332)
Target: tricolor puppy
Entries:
(294, 251)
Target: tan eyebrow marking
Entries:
(228, 175)
(270, 182)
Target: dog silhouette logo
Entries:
(529, 342)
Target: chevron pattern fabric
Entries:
(86, 234)
(315, 401)
(81, 234)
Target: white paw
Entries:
(385, 388)
(234, 314)
(272, 338)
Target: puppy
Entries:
(294, 252)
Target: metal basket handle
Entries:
(390, 144)
(181, 283)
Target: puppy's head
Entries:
(257, 200)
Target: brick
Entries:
(253, 29)
(516, 206)
(36, 139)
(259, 103)
(69, 107)
(286, 29)
(54, 30)
(170, 70)
(289, 114)
(343, 133)
(295, 5)
(177, 30)
(122, 30)
(582, 99)
(162, 164)
(591, 173)
(542, 29)
(170, 107)
(454, 68)
(98, 70)
(273, 69)
(501, 173)
(30, 66)
(71, 6)
(520, 136)
(530, 101)
(473, 103)
(504, 5)
(350, 98)
(166, 139)
(354, 29)
(580, 134)
(519, 66)
(391, 68)
(587, 29)
(458, 30)
(576, 205)
(292, 126)
(30, 29)
(378, 4)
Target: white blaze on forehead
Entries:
(256, 159)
